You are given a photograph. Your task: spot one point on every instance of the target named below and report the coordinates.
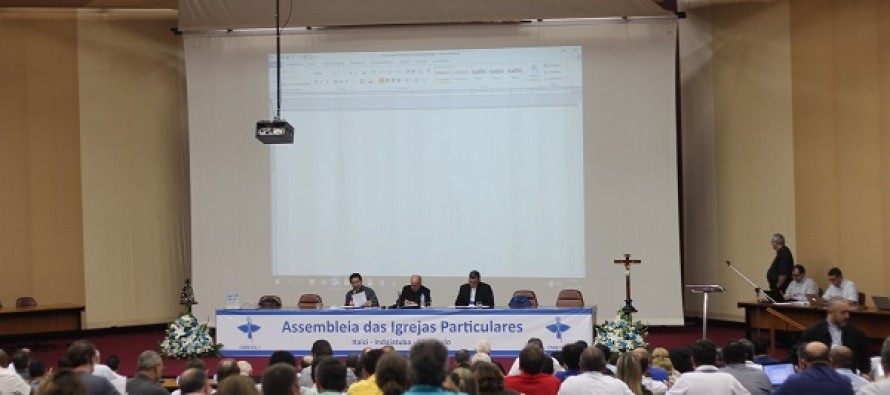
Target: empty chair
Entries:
(269, 302)
(570, 298)
(25, 301)
(528, 294)
(309, 301)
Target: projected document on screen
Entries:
(428, 161)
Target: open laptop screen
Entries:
(778, 373)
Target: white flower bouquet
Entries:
(622, 333)
(188, 338)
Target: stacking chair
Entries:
(570, 298)
(309, 301)
(528, 294)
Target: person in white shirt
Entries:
(801, 286)
(591, 381)
(841, 288)
(706, 379)
(881, 386)
(10, 381)
(514, 369)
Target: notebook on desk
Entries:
(778, 373)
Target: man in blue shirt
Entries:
(816, 377)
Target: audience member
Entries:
(479, 357)
(145, 382)
(816, 377)
(801, 286)
(286, 357)
(10, 381)
(630, 372)
(753, 379)
(37, 372)
(237, 385)
(320, 348)
(280, 379)
(429, 361)
(119, 382)
(388, 348)
(661, 358)
(531, 380)
(194, 381)
(514, 369)
(749, 354)
(839, 288)
(369, 367)
(392, 373)
(706, 379)
(681, 358)
(245, 368)
(352, 366)
(571, 354)
(193, 363)
(113, 362)
(490, 379)
(607, 354)
(461, 380)
(835, 330)
(654, 372)
(21, 358)
(462, 358)
(225, 368)
(82, 357)
(483, 346)
(62, 382)
(881, 387)
(591, 380)
(842, 361)
(330, 375)
(761, 352)
(557, 355)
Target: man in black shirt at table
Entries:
(411, 294)
(475, 292)
(779, 273)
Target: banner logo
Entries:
(558, 328)
(249, 328)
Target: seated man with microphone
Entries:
(475, 292)
(414, 294)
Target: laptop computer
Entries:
(816, 300)
(778, 373)
(881, 302)
(776, 295)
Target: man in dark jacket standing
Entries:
(779, 273)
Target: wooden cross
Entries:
(628, 306)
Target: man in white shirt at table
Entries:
(801, 286)
(591, 381)
(841, 288)
(706, 379)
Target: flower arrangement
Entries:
(188, 338)
(622, 333)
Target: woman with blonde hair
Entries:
(662, 358)
(629, 371)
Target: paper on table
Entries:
(359, 299)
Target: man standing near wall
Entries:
(779, 273)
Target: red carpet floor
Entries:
(128, 343)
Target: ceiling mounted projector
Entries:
(274, 132)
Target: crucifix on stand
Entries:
(628, 307)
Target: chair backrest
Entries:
(862, 299)
(25, 301)
(528, 294)
(570, 298)
(269, 302)
(309, 301)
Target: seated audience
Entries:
(62, 382)
(630, 372)
(815, 375)
(661, 358)
(280, 379)
(591, 380)
(654, 372)
(483, 346)
(369, 367)
(320, 348)
(532, 380)
(478, 357)
(119, 382)
(839, 288)
(842, 361)
(801, 286)
(330, 376)
(81, 355)
(490, 380)
(352, 367)
(37, 372)
(753, 379)
(461, 380)
(681, 358)
(706, 379)
(392, 373)
(761, 352)
(514, 369)
(195, 381)
(880, 387)
(10, 381)
(571, 354)
(462, 358)
(237, 385)
(225, 368)
(21, 358)
(193, 363)
(245, 368)
(150, 366)
(429, 361)
(607, 354)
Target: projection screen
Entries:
(535, 153)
